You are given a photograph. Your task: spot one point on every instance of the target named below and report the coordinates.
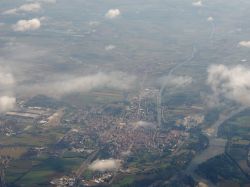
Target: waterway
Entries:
(216, 145)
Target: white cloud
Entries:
(43, 1)
(110, 47)
(48, 1)
(6, 79)
(230, 82)
(94, 23)
(26, 25)
(210, 19)
(7, 82)
(201, 184)
(112, 13)
(82, 84)
(7, 103)
(10, 11)
(105, 165)
(197, 4)
(244, 43)
(116, 80)
(31, 7)
(144, 124)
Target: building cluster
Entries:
(34, 114)
(70, 181)
(98, 179)
(78, 141)
(64, 181)
(119, 133)
(122, 129)
(191, 121)
(129, 130)
(23, 118)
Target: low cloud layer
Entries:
(27, 25)
(6, 79)
(31, 7)
(110, 47)
(44, 1)
(112, 13)
(244, 44)
(197, 4)
(210, 19)
(54, 84)
(82, 84)
(105, 165)
(202, 184)
(7, 103)
(230, 82)
(175, 81)
(144, 124)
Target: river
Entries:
(216, 145)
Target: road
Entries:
(84, 166)
(159, 98)
(140, 94)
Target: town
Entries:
(117, 131)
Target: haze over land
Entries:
(45, 42)
(129, 88)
